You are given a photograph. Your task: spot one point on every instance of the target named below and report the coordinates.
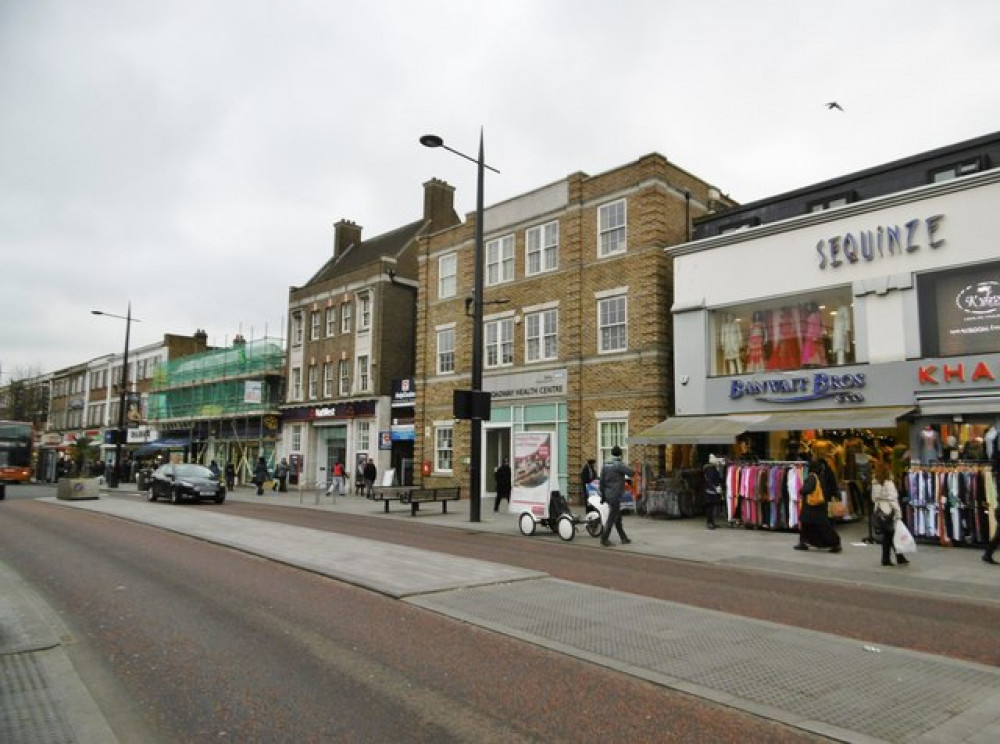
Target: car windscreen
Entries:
(192, 471)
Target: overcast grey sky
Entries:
(192, 155)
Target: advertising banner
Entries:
(962, 309)
(532, 476)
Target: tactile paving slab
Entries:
(29, 712)
(822, 683)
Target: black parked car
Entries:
(185, 481)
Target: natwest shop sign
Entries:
(958, 372)
(345, 410)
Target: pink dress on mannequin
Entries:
(813, 352)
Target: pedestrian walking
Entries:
(214, 467)
(503, 480)
(260, 475)
(281, 476)
(370, 473)
(337, 480)
(613, 476)
(230, 476)
(587, 476)
(815, 527)
(714, 490)
(886, 511)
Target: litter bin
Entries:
(142, 479)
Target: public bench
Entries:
(385, 494)
(424, 495)
(414, 496)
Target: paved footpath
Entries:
(824, 684)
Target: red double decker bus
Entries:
(15, 452)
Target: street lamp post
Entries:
(112, 480)
(479, 401)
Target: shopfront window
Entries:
(814, 330)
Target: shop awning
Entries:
(833, 418)
(697, 430)
(152, 448)
(724, 429)
(959, 404)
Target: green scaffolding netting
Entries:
(242, 379)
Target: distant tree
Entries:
(27, 397)
(80, 453)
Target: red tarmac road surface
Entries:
(187, 641)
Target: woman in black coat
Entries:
(714, 490)
(815, 527)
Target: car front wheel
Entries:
(176, 497)
(150, 496)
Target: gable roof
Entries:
(358, 255)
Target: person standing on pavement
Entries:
(815, 527)
(260, 475)
(230, 476)
(214, 467)
(886, 511)
(613, 476)
(587, 476)
(370, 473)
(713, 489)
(503, 479)
(337, 482)
(281, 476)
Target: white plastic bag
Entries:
(902, 540)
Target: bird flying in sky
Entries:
(834, 105)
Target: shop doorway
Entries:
(333, 448)
(497, 447)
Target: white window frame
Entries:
(445, 350)
(344, 374)
(297, 329)
(314, 325)
(541, 248)
(499, 260)
(448, 275)
(541, 335)
(612, 228)
(345, 317)
(612, 429)
(363, 436)
(328, 379)
(331, 321)
(362, 376)
(364, 311)
(444, 447)
(296, 383)
(297, 438)
(619, 327)
(498, 342)
(313, 381)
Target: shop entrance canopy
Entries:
(154, 447)
(724, 429)
(696, 430)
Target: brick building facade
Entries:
(350, 343)
(577, 329)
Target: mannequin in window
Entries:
(990, 440)
(731, 343)
(841, 333)
(785, 354)
(756, 338)
(930, 444)
(813, 351)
